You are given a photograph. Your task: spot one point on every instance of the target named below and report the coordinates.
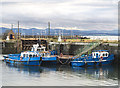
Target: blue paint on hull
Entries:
(25, 61)
(33, 63)
(78, 64)
(106, 62)
(92, 62)
(49, 60)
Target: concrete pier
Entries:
(75, 48)
(67, 48)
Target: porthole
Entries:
(103, 54)
(106, 54)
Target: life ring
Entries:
(101, 58)
(20, 57)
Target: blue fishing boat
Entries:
(98, 57)
(48, 57)
(36, 56)
(25, 58)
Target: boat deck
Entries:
(65, 56)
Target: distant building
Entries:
(9, 34)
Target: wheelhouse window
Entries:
(106, 54)
(23, 55)
(103, 54)
(30, 55)
(38, 50)
(33, 55)
(96, 54)
(26, 55)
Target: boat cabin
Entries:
(29, 54)
(42, 54)
(100, 53)
(34, 54)
(37, 48)
(36, 51)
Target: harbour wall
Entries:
(74, 49)
(65, 48)
(8, 47)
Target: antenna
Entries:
(18, 29)
(49, 28)
(62, 33)
(41, 33)
(11, 26)
(45, 33)
(18, 44)
(71, 33)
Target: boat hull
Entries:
(104, 62)
(26, 61)
(17, 62)
(93, 62)
(49, 60)
(77, 63)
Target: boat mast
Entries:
(18, 42)
(11, 26)
(49, 29)
(18, 29)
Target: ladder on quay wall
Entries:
(87, 48)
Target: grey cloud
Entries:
(34, 1)
(101, 15)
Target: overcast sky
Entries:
(70, 14)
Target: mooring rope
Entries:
(70, 60)
(64, 62)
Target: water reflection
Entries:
(97, 73)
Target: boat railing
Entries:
(14, 55)
(87, 48)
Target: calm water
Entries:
(58, 75)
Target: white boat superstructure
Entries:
(40, 48)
